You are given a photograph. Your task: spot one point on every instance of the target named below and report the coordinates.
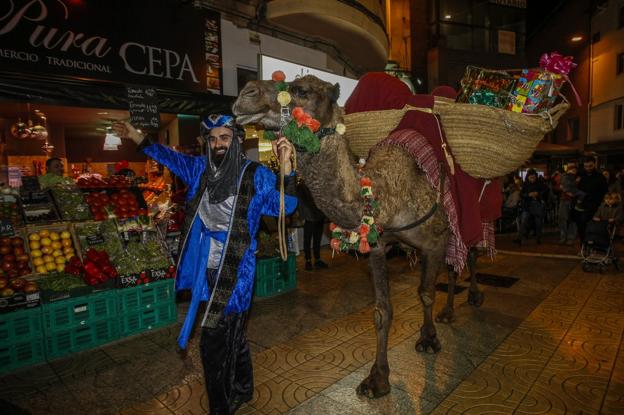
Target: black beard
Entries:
(217, 159)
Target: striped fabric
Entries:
(419, 148)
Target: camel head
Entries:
(257, 102)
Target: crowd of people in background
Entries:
(571, 198)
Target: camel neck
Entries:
(333, 181)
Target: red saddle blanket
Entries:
(472, 205)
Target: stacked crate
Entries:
(80, 323)
(21, 339)
(146, 307)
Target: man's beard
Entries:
(217, 158)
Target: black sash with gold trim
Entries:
(237, 242)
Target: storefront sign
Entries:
(143, 107)
(146, 42)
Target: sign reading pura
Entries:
(149, 42)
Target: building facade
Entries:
(606, 116)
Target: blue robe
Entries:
(191, 271)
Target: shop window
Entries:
(620, 63)
(573, 129)
(619, 117)
(244, 75)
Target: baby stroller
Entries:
(598, 248)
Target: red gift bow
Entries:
(557, 63)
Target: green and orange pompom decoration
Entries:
(368, 233)
(301, 128)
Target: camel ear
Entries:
(335, 93)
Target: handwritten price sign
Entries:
(143, 107)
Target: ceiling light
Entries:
(448, 16)
(577, 38)
(111, 142)
(102, 113)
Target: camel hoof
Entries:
(428, 344)
(445, 316)
(475, 298)
(373, 387)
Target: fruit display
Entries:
(95, 182)
(10, 287)
(14, 260)
(50, 250)
(97, 267)
(10, 210)
(122, 204)
(99, 235)
(71, 204)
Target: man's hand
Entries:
(125, 130)
(596, 218)
(283, 150)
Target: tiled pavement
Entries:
(551, 343)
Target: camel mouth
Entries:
(260, 120)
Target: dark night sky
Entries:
(538, 11)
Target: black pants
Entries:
(227, 364)
(312, 233)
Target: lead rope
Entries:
(281, 219)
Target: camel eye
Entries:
(300, 92)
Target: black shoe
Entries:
(308, 266)
(318, 264)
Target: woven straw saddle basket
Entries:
(487, 142)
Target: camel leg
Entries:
(428, 341)
(377, 383)
(446, 314)
(475, 295)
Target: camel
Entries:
(404, 193)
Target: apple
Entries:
(17, 283)
(7, 292)
(5, 249)
(22, 258)
(23, 271)
(18, 250)
(9, 258)
(12, 273)
(17, 241)
(7, 265)
(3, 283)
(5, 241)
(30, 287)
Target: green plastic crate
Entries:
(20, 325)
(92, 334)
(79, 311)
(21, 353)
(274, 276)
(146, 296)
(159, 315)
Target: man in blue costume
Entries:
(227, 195)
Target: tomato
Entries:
(99, 216)
(104, 198)
(122, 201)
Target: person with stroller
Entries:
(598, 248)
(594, 184)
(534, 194)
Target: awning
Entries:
(56, 90)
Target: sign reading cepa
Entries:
(268, 65)
(93, 39)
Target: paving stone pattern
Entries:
(550, 343)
